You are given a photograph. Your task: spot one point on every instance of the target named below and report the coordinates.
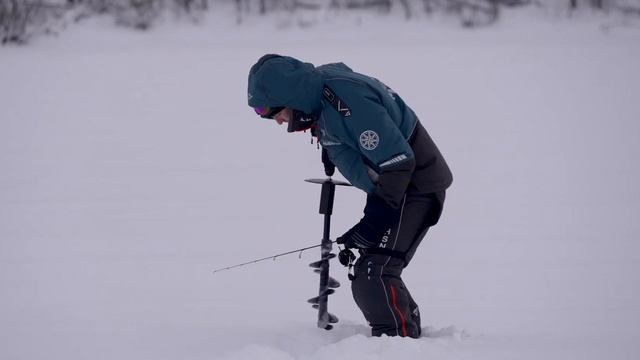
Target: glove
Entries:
(360, 236)
(379, 218)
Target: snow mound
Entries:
(350, 341)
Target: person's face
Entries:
(284, 116)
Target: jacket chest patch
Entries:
(336, 102)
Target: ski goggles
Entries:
(267, 112)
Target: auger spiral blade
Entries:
(325, 293)
(318, 264)
(332, 318)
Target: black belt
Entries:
(386, 252)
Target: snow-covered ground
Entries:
(130, 167)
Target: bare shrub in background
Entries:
(22, 19)
(19, 19)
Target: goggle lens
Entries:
(268, 112)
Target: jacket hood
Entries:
(277, 80)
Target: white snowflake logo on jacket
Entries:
(369, 140)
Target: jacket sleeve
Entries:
(393, 182)
(381, 144)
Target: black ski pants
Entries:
(378, 288)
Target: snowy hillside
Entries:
(130, 167)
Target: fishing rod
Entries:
(327, 284)
(273, 257)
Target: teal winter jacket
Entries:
(370, 134)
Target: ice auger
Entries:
(327, 283)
